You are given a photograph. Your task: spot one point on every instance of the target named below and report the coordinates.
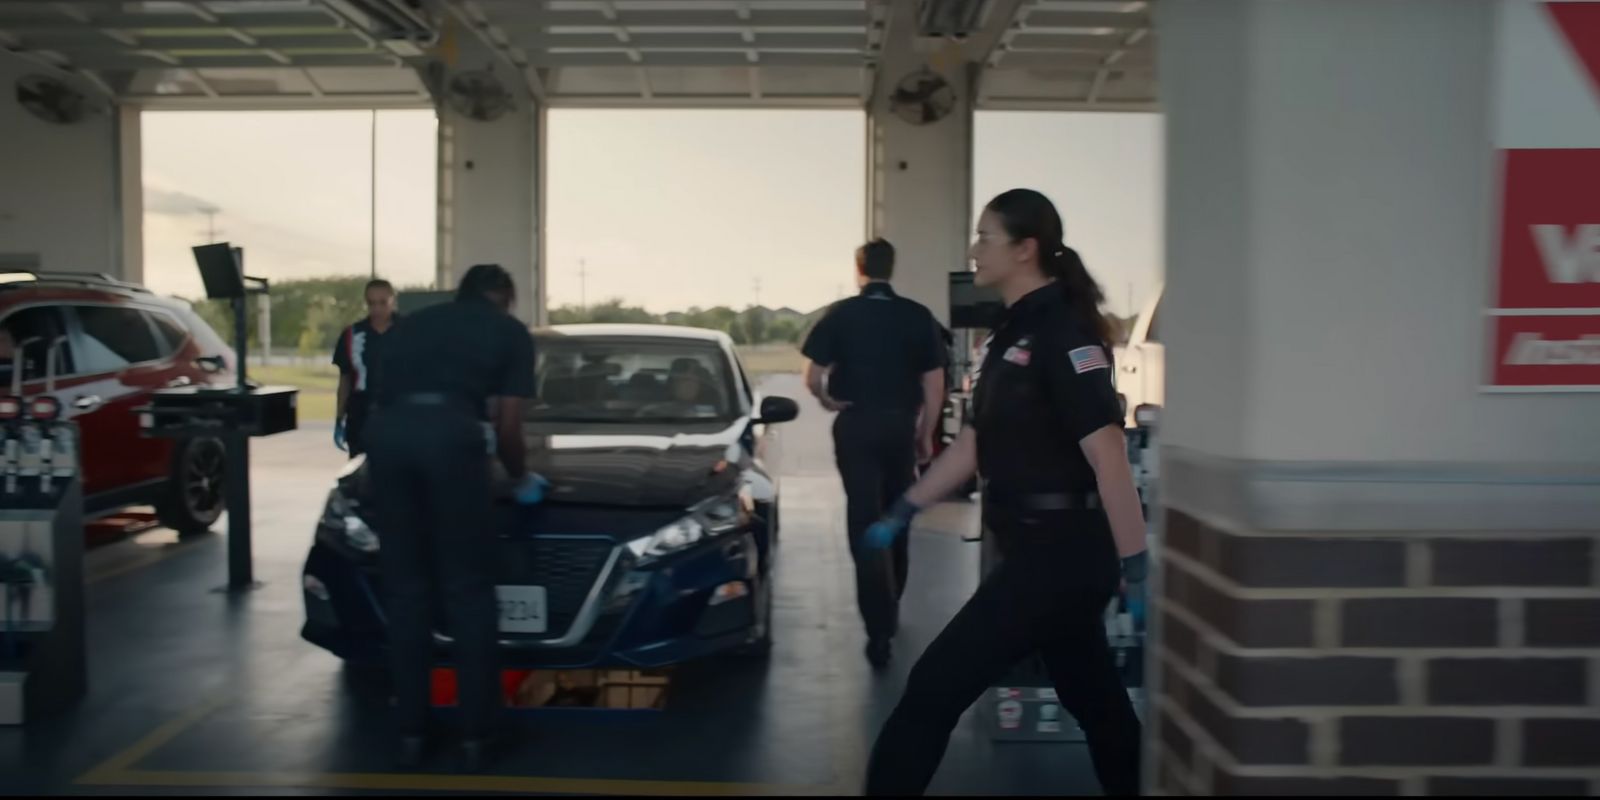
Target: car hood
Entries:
(632, 468)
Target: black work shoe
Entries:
(474, 756)
(879, 651)
(413, 751)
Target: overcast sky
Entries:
(663, 208)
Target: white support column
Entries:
(919, 183)
(1335, 480)
(490, 184)
(487, 194)
(59, 187)
(130, 193)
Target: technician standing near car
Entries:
(877, 358)
(431, 481)
(358, 349)
(1059, 500)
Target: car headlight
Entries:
(339, 518)
(704, 521)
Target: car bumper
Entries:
(694, 604)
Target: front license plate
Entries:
(522, 609)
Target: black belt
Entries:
(1044, 501)
(433, 400)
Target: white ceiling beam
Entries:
(311, 80)
(121, 37)
(205, 85)
(1098, 86)
(135, 60)
(1058, 60)
(608, 10)
(705, 101)
(1047, 104)
(1002, 17)
(201, 12)
(99, 81)
(275, 102)
(623, 57)
(318, 20)
(538, 81)
(165, 58)
(1000, 22)
(560, 20)
(71, 12)
(1068, 20)
(1111, 60)
(695, 40)
(471, 16)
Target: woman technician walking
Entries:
(1059, 500)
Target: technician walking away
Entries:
(358, 349)
(431, 479)
(1060, 501)
(877, 358)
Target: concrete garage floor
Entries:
(194, 691)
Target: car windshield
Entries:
(594, 379)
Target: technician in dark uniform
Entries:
(431, 480)
(1059, 500)
(357, 351)
(878, 360)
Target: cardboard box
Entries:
(612, 689)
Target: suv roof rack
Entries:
(14, 277)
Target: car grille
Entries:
(566, 568)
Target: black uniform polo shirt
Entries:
(466, 349)
(358, 351)
(879, 345)
(1045, 383)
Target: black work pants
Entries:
(430, 479)
(357, 411)
(1048, 596)
(876, 454)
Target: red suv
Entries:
(115, 344)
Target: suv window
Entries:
(172, 332)
(39, 322)
(114, 338)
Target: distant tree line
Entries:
(308, 314)
(753, 325)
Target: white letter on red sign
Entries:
(1577, 261)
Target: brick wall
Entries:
(1364, 664)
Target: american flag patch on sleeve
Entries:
(1086, 359)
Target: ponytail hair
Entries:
(1083, 294)
(1027, 214)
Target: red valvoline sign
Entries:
(1546, 308)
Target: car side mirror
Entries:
(211, 364)
(777, 409)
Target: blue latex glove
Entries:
(1135, 573)
(894, 523)
(338, 436)
(531, 491)
(883, 533)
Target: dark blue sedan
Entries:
(656, 544)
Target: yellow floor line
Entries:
(393, 782)
(142, 560)
(120, 770)
(154, 740)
